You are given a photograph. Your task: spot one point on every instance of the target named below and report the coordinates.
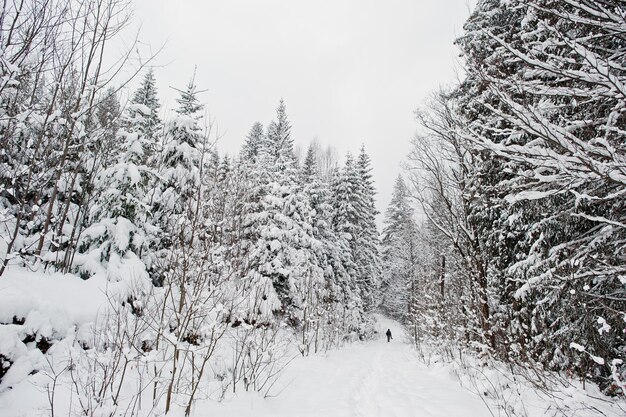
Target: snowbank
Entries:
(54, 301)
(38, 310)
(515, 391)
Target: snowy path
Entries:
(363, 380)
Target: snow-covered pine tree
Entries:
(339, 308)
(278, 238)
(346, 201)
(294, 268)
(252, 145)
(143, 109)
(354, 218)
(399, 253)
(142, 119)
(121, 217)
(97, 147)
(250, 217)
(367, 257)
(280, 144)
(119, 230)
(177, 199)
(183, 159)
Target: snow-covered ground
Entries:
(380, 379)
(362, 379)
(367, 379)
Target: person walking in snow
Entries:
(388, 335)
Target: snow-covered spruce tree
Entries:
(95, 147)
(143, 110)
(120, 218)
(354, 218)
(245, 204)
(117, 244)
(345, 202)
(100, 150)
(548, 102)
(253, 143)
(282, 248)
(314, 291)
(499, 229)
(399, 253)
(338, 308)
(222, 197)
(182, 161)
(367, 257)
(235, 217)
(58, 146)
(142, 118)
(252, 216)
(220, 207)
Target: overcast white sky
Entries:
(351, 71)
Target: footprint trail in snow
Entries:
(372, 379)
